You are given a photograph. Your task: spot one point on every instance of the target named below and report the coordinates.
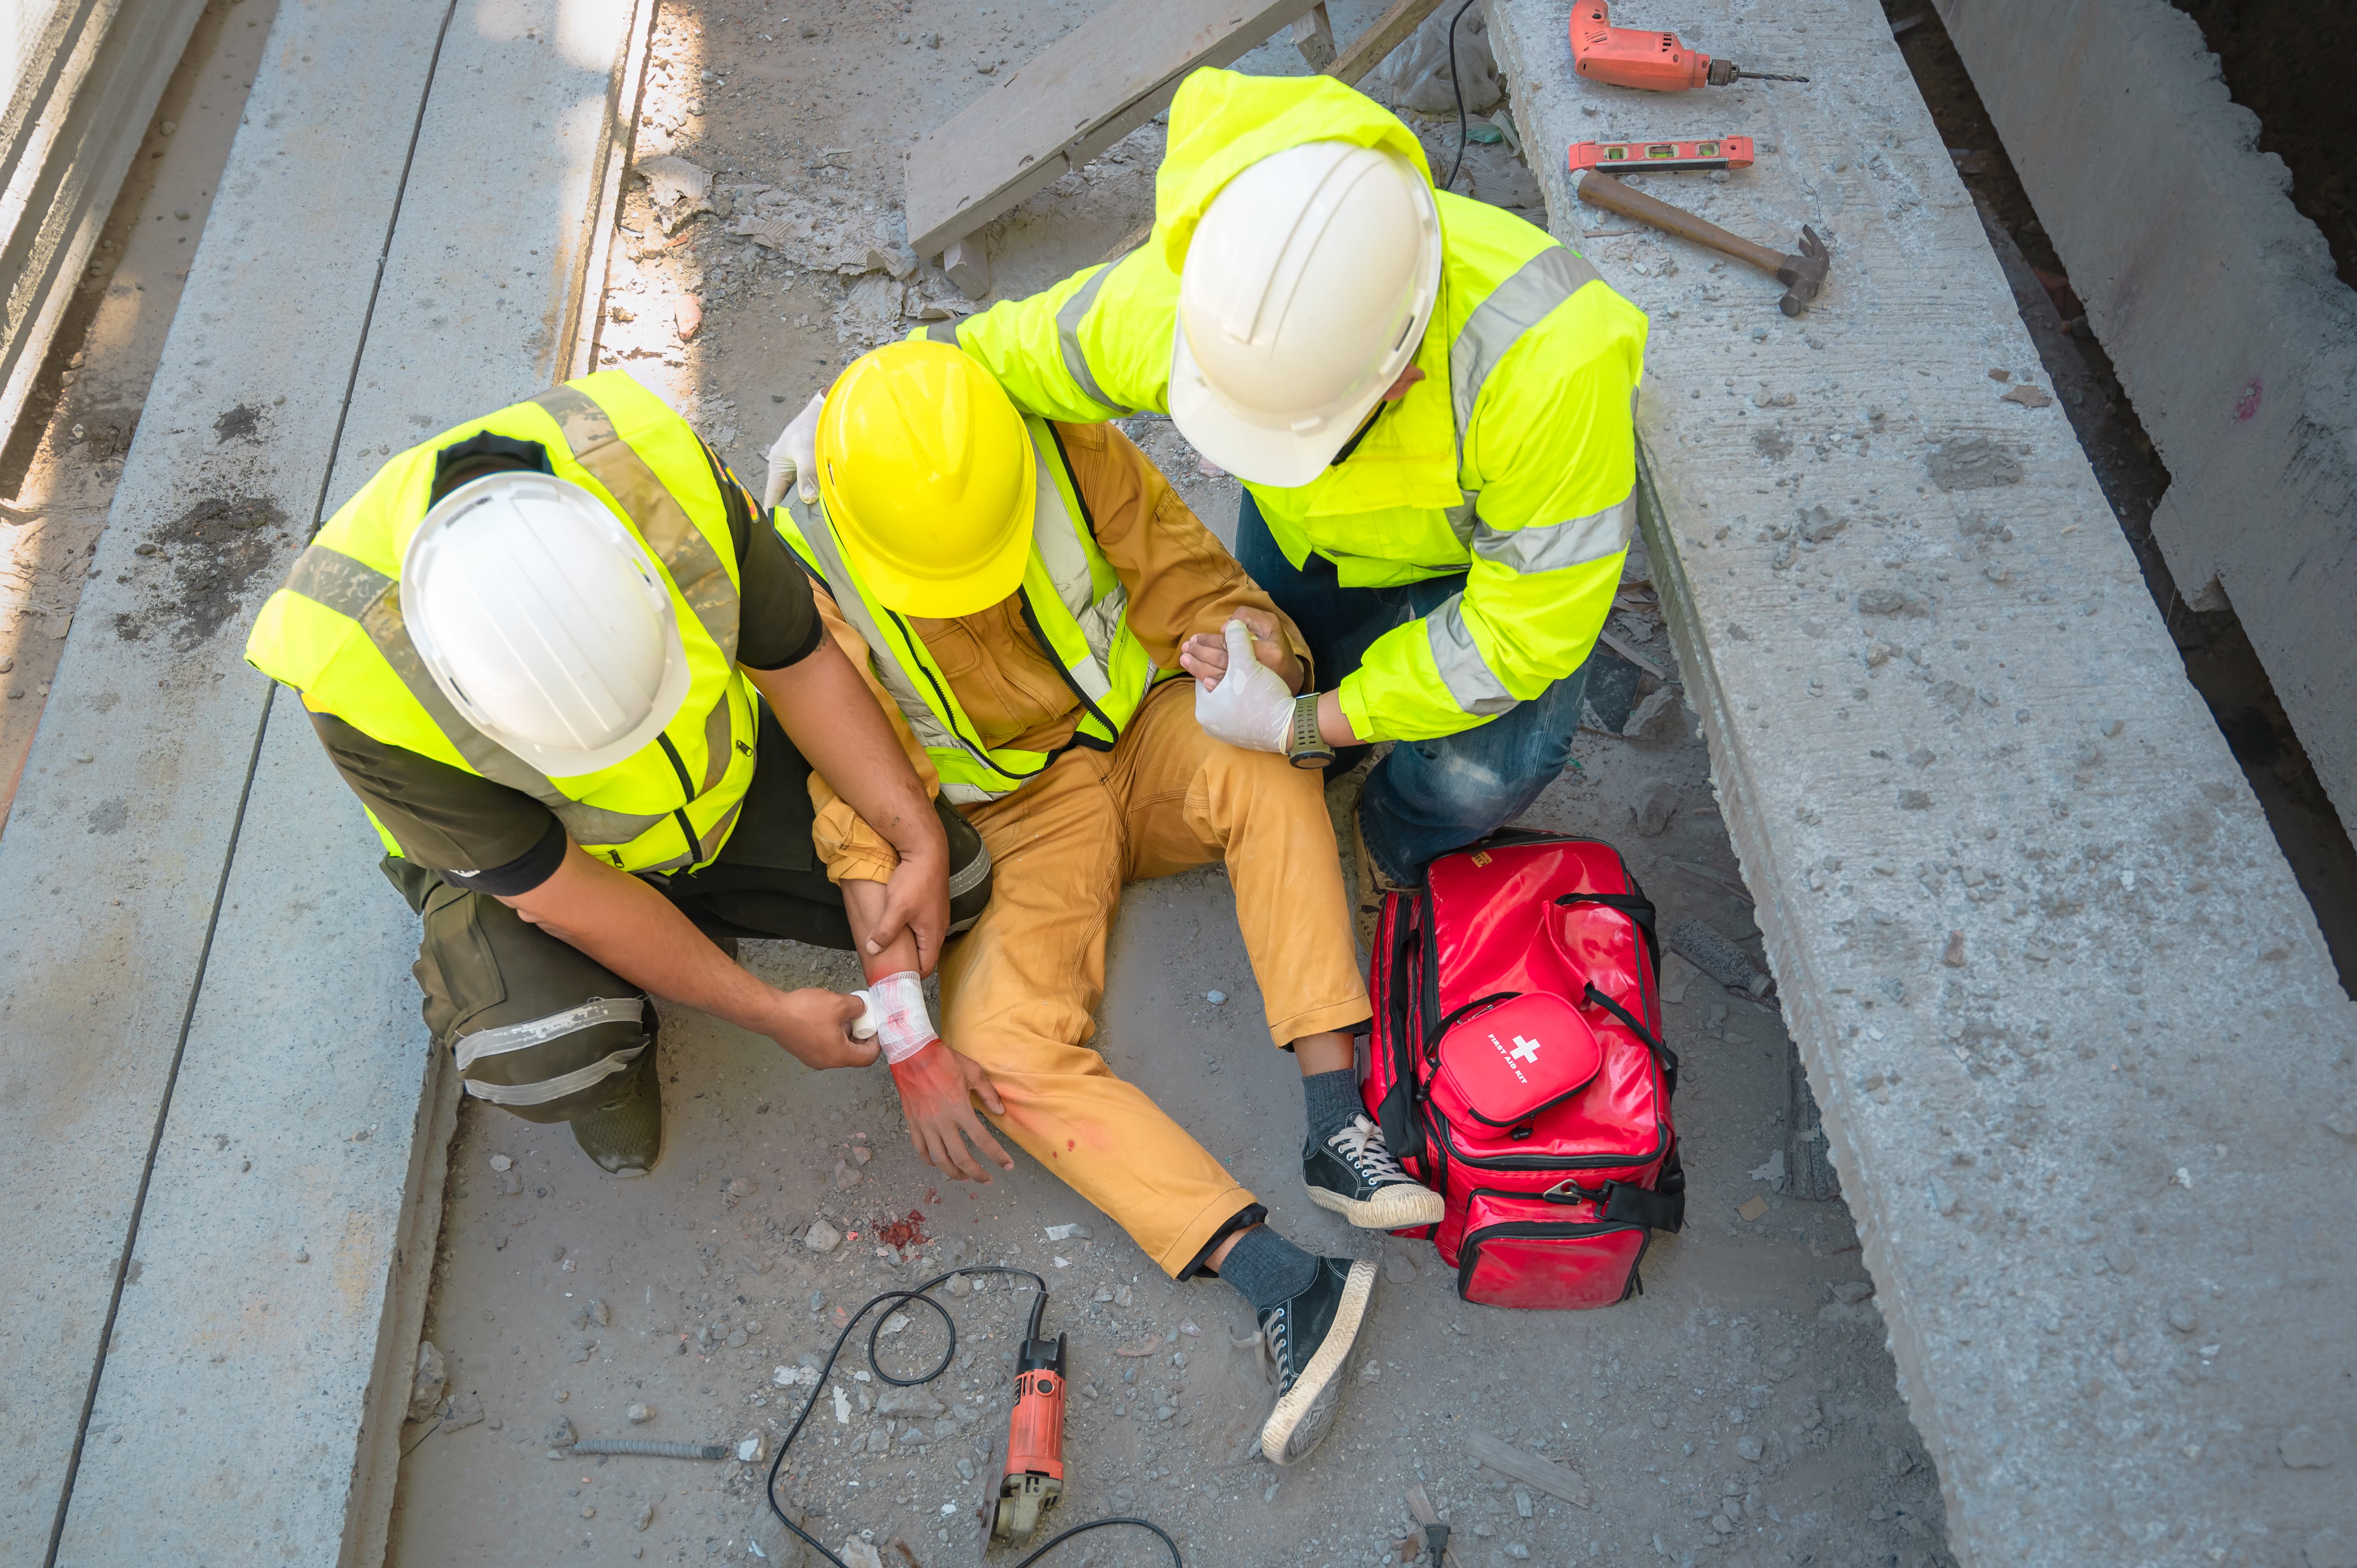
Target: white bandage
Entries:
(895, 1014)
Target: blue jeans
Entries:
(1427, 796)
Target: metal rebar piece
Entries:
(645, 1448)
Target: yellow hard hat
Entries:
(928, 477)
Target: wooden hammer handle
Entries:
(1609, 191)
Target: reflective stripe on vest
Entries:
(1523, 299)
(1072, 601)
(698, 826)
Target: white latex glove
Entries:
(1251, 707)
(794, 456)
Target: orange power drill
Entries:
(1634, 57)
(1033, 1480)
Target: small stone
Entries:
(1123, 1296)
(737, 1341)
(910, 1402)
(1216, 998)
(1398, 1270)
(639, 1414)
(580, 1318)
(432, 1378)
(1653, 811)
(896, 1323)
(751, 1449)
(818, 1301)
(1721, 1523)
(960, 1284)
(500, 1162)
(302, 1255)
(1070, 1234)
(2302, 1449)
(1661, 1421)
(646, 1516)
(2183, 1317)
(603, 1313)
(1954, 957)
(845, 1177)
(580, 1351)
(559, 1434)
(965, 1469)
(1187, 1327)
(168, 127)
(862, 1153)
(820, 1237)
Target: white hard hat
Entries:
(544, 620)
(1306, 291)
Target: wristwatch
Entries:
(1308, 747)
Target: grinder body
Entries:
(1032, 1483)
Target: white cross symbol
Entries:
(1524, 1051)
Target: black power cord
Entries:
(1464, 132)
(918, 1294)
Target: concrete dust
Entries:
(59, 467)
(215, 549)
(1743, 1409)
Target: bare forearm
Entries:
(833, 721)
(636, 932)
(863, 903)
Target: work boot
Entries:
(1307, 1340)
(624, 1135)
(1356, 1176)
(1369, 885)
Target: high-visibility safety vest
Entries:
(334, 632)
(1513, 460)
(1072, 602)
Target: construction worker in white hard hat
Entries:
(581, 687)
(1429, 404)
(1020, 592)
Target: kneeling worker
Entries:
(535, 647)
(1020, 592)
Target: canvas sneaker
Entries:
(1354, 1174)
(1306, 1343)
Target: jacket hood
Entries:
(1223, 122)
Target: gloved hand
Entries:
(937, 1091)
(1250, 705)
(794, 456)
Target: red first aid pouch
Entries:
(1505, 1059)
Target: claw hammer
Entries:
(1803, 275)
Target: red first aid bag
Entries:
(1517, 1067)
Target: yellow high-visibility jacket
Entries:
(1513, 460)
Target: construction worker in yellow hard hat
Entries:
(1429, 404)
(1020, 592)
(577, 681)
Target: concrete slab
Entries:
(2058, 995)
(477, 307)
(480, 303)
(2218, 304)
(120, 833)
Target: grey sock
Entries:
(1332, 1098)
(1268, 1269)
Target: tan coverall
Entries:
(1018, 989)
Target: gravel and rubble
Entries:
(1743, 1410)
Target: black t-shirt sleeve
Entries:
(474, 834)
(777, 624)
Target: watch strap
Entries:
(1308, 747)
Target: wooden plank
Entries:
(1419, 1506)
(1083, 93)
(1313, 34)
(1388, 32)
(1556, 1480)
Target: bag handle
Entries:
(1640, 910)
(1433, 1036)
(1662, 1053)
(1663, 1207)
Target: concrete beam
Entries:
(2083, 1058)
(86, 77)
(221, 1094)
(2219, 306)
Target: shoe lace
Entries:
(1361, 1143)
(1269, 1348)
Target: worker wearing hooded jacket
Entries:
(577, 681)
(1020, 592)
(1429, 401)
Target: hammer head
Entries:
(1804, 275)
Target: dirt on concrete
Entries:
(2218, 657)
(61, 463)
(1741, 1410)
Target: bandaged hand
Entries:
(794, 456)
(893, 1014)
(1247, 704)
